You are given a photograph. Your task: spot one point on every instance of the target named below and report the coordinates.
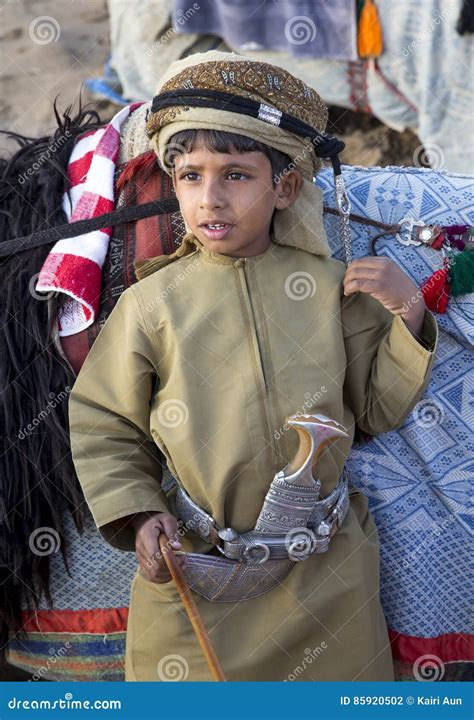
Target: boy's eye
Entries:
(191, 176)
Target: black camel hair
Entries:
(38, 483)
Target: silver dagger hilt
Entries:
(294, 490)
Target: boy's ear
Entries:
(287, 189)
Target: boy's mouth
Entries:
(215, 230)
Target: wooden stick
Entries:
(191, 610)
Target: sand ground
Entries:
(49, 47)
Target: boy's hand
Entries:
(148, 528)
(386, 282)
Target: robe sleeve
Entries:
(116, 460)
(388, 369)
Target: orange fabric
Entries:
(369, 38)
(100, 621)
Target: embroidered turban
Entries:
(229, 92)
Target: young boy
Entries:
(203, 360)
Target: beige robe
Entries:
(203, 361)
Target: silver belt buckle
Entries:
(256, 549)
(230, 544)
(194, 517)
(256, 554)
(241, 548)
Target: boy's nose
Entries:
(212, 195)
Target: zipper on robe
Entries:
(255, 342)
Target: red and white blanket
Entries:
(74, 265)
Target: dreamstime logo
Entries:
(172, 285)
(53, 402)
(432, 535)
(54, 656)
(427, 32)
(172, 668)
(170, 153)
(180, 20)
(428, 155)
(300, 285)
(44, 157)
(34, 293)
(300, 29)
(428, 413)
(309, 656)
(307, 407)
(172, 413)
(44, 541)
(300, 543)
(428, 668)
(415, 299)
(183, 528)
(67, 704)
(44, 30)
(162, 41)
(300, 158)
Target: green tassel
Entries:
(461, 273)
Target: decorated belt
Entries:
(257, 547)
(294, 523)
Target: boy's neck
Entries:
(255, 251)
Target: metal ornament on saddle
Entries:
(293, 524)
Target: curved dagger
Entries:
(294, 491)
(315, 432)
(288, 504)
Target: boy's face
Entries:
(234, 191)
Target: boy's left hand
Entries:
(386, 282)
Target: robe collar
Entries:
(221, 259)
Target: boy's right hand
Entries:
(148, 528)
